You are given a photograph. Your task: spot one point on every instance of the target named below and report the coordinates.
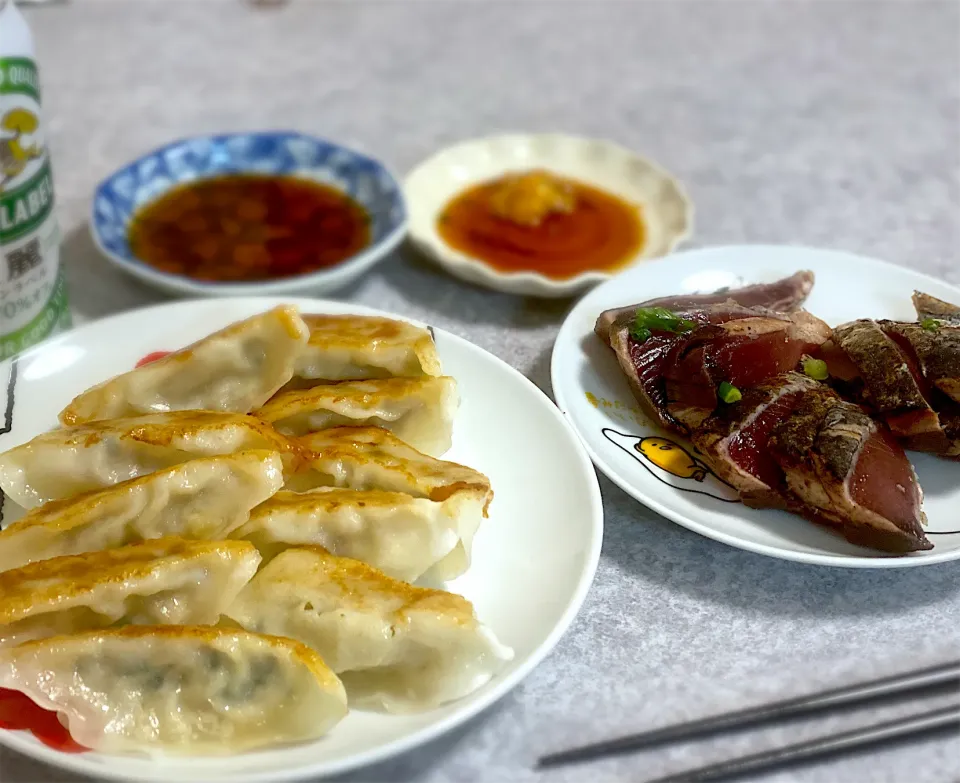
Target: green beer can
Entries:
(33, 294)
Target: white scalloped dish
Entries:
(666, 213)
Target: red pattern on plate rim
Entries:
(20, 713)
(152, 357)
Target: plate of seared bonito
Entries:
(270, 539)
(795, 402)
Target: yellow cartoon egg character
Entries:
(672, 458)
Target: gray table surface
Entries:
(823, 123)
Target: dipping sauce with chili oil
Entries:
(248, 227)
(539, 222)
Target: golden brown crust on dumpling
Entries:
(61, 579)
(364, 587)
(71, 460)
(328, 499)
(420, 411)
(438, 479)
(363, 393)
(362, 332)
(161, 429)
(201, 633)
(136, 390)
(63, 515)
(399, 533)
(397, 647)
(182, 422)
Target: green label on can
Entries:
(54, 316)
(33, 297)
(23, 209)
(18, 75)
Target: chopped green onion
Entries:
(815, 368)
(728, 393)
(930, 324)
(657, 319)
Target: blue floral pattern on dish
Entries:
(282, 152)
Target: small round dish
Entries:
(364, 179)
(667, 212)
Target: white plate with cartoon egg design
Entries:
(662, 470)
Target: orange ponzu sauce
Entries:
(600, 232)
(248, 227)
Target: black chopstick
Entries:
(923, 681)
(909, 727)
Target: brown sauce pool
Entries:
(244, 227)
(557, 226)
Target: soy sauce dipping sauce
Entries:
(248, 227)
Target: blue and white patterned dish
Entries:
(366, 180)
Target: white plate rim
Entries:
(470, 707)
(560, 394)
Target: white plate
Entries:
(667, 212)
(534, 558)
(591, 390)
